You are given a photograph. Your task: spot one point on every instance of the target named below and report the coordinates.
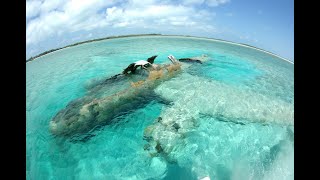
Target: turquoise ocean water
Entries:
(241, 103)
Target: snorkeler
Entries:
(144, 64)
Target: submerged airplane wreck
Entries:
(104, 101)
(191, 98)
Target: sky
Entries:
(266, 24)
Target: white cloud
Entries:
(152, 14)
(55, 18)
(143, 3)
(211, 3)
(247, 37)
(32, 8)
(193, 2)
(48, 6)
(214, 3)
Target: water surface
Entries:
(240, 102)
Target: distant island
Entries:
(88, 41)
(136, 35)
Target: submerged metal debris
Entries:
(101, 105)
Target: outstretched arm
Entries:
(143, 67)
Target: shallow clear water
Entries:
(235, 113)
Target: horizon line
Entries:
(153, 34)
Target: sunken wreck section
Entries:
(223, 103)
(242, 108)
(83, 114)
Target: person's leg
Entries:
(134, 69)
(129, 68)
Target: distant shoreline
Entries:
(88, 41)
(137, 35)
